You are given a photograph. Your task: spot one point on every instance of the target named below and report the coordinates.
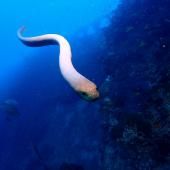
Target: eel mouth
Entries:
(90, 96)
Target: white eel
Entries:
(84, 87)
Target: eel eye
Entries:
(83, 93)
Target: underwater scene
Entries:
(85, 85)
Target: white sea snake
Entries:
(84, 87)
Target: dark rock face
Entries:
(136, 112)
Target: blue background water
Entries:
(50, 113)
(65, 17)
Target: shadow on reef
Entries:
(46, 166)
(70, 166)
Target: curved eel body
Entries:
(84, 87)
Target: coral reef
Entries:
(136, 111)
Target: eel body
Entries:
(84, 87)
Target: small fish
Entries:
(10, 108)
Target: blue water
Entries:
(42, 103)
(39, 17)
(124, 48)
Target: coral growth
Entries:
(136, 112)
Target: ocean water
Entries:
(123, 46)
